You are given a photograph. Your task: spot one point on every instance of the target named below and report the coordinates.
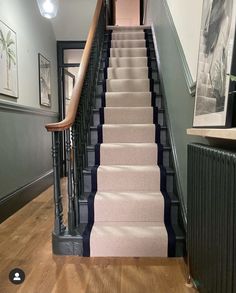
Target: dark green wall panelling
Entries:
(179, 100)
(25, 147)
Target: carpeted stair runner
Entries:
(129, 209)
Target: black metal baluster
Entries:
(71, 212)
(58, 222)
(74, 135)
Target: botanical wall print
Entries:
(44, 81)
(213, 93)
(8, 61)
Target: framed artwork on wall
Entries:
(215, 88)
(8, 61)
(44, 81)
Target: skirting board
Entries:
(15, 201)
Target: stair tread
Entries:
(91, 147)
(97, 110)
(129, 206)
(115, 27)
(174, 199)
(129, 239)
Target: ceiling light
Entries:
(48, 8)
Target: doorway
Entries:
(128, 13)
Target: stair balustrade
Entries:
(74, 129)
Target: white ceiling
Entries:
(73, 19)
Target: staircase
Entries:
(122, 198)
(128, 190)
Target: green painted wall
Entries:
(179, 101)
(25, 148)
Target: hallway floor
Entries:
(25, 242)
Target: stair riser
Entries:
(84, 213)
(88, 182)
(94, 136)
(97, 120)
(128, 181)
(115, 53)
(104, 64)
(129, 211)
(91, 158)
(157, 102)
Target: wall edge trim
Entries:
(6, 106)
(176, 164)
(14, 201)
(191, 84)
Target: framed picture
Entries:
(8, 61)
(44, 81)
(215, 88)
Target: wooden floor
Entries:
(25, 242)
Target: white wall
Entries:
(34, 35)
(187, 18)
(73, 20)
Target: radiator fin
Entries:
(211, 218)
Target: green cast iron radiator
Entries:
(212, 218)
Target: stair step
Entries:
(128, 85)
(128, 115)
(128, 62)
(128, 154)
(126, 99)
(127, 28)
(128, 73)
(91, 155)
(143, 239)
(139, 35)
(128, 43)
(128, 178)
(137, 133)
(87, 176)
(155, 82)
(129, 207)
(128, 52)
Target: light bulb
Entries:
(48, 8)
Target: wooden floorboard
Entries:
(25, 242)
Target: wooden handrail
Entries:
(75, 98)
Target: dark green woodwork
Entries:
(24, 148)
(24, 154)
(211, 218)
(16, 200)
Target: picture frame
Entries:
(44, 81)
(215, 89)
(8, 61)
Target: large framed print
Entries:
(216, 64)
(44, 81)
(8, 61)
